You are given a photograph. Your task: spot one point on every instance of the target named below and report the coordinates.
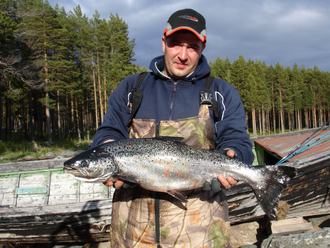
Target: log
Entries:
(32, 165)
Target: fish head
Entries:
(93, 165)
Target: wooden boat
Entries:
(39, 203)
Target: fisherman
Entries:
(176, 102)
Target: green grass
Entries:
(12, 151)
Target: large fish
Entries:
(168, 165)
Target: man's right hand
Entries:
(118, 184)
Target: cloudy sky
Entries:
(285, 31)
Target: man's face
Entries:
(182, 51)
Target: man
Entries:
(171, 106)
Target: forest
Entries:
(58, 68)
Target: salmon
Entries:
(168, 165)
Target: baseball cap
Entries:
(186, 19)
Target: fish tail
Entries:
(277, 178)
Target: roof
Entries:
(280, 145)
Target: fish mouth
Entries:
(69, 168)
(78, 173)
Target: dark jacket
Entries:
(165, 100)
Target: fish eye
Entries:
(84, 163)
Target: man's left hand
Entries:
(216, 183)
(229, 181)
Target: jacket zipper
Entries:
(172, 100)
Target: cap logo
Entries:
(188, 17)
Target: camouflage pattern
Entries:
(197, 131)
(201, 222)
(142, 128)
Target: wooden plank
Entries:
(7, 189)
(294, 225)
(288, 222)
(31, 200)
(63, 189)
(307, 187)
(297, 228)
(32, 165)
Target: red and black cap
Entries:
(186, 19)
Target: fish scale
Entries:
(168, 165)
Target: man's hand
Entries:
(216, 183)
(118, 184)
(226, 182)
(229, 181)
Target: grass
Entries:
(12, 151)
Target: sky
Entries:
(271, 31)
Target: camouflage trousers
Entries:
(201, 222)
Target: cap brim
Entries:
(167, 32)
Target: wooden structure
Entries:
(307, 194)
(40, 203)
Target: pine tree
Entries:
(38, 30)
(83, 77)
(7, 26)
(289, 98)
(62, 60)
(95, 23)
(264, 91)
(297, 81)
(238, 78)
(221, 68)
(271, 79)
(252, 99)
(279, 93)
(121, 52)
(239, 74)
(319, 92)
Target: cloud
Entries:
(266, 30)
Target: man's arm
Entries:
(231, 125)
(231, 128)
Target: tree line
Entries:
(58, 68)
(278, 99)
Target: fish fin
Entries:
(128, 179)
(177, 140)
(269, 194)
(178, 195)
